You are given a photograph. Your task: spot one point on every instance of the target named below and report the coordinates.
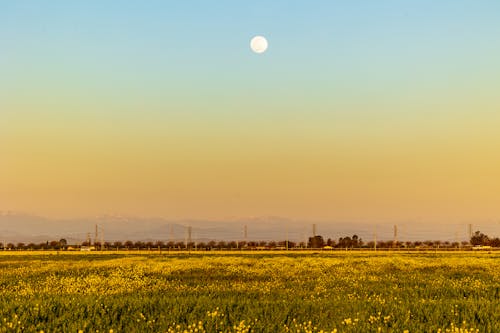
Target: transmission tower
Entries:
(170, 232)
(395, 241)
(188, 236)
(96, 239)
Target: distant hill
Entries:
(28, 228)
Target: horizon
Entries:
(21, 227)
(359, 111)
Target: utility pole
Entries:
(395, 241)
(470, 231)
(96, 237)
(314, 230)
(375, 241)
(286, 242)
(102, 239)
(170, 232)
(188, 236)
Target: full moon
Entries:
(258, 44)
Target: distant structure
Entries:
(286, 239)
(314, 230)
(188, 236)
(96, 239)
(170, 232)
(102, 238)
(395, 241)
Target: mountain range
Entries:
(18, 227)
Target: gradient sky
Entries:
(359, 110)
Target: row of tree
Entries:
(478, 239)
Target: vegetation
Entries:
(343, 292)
(315, 242)
(483, 240)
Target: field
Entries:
(343, 292)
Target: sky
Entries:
(358, 111)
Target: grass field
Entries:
(346, 292)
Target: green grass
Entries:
(362, 292)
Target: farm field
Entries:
(262, 292)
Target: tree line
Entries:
(315, 242)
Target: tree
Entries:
(285, 245)
(221, 244)
(479, 239)
(330, 242)
(345, 242)
(316, 242)
(429, 243)
(495, 242)
(354, 241)
(253, 244)
(63, 243)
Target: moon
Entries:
(259, 44)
